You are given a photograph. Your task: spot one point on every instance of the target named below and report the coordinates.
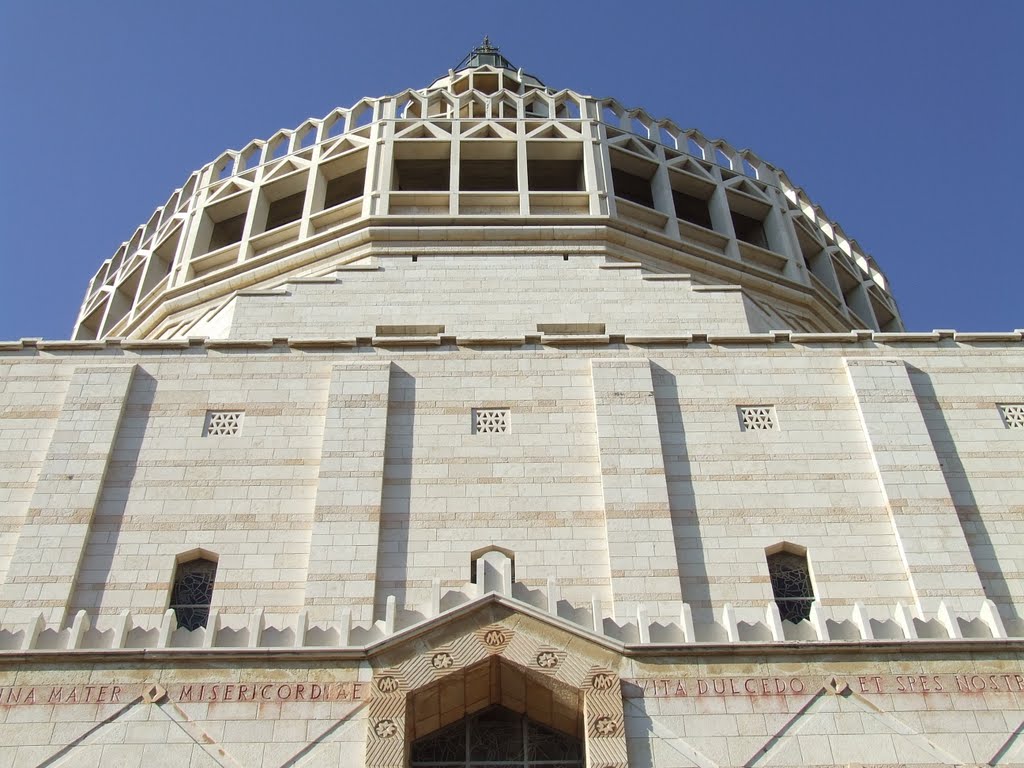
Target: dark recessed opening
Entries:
(285, 210)
(886, 319)
(192, 592)
(816, 258)
(565, 257)
(555, 175)
(691, 209)
(487, 175)
(498, 736)
(634, 188)
(345, 188)
(749, 230)
(791, 584)
(485, 83)
(415, 258)
(227, 232)
(810, 249)
(565, 329)
(422, 175)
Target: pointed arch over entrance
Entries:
(553, 685)
(495, 682)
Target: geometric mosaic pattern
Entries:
(1013, 415)
(223, 423)
(491, 420)
(757, 417)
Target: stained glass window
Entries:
(192, 592)
(497, 737)
(791, 583)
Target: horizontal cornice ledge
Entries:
(787, 338)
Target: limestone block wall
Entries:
(877, 710)
(320, 503)
(30, 402)
(497, 295)
(172, 489)
(451, 488)
(144, 714)
(930, 539)
(44, 565)
(982, 461)
(930, 704)
(644, 563)
(345, 537)
(807, 480)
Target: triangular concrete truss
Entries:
(207, 263)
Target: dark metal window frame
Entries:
(790, 576)
(192, 592)
(466, 744)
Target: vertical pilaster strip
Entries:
(661, 190)
(605, 725)
(721, 214)
(44, 567)
(641, 546)
(597, 167)
(379, 159)
(928, 532)
(346, 518)
(387, 726)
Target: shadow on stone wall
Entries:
(693, 572)
(92, 581)
(979, 540)
(393, 539)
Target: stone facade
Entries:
(450, 450)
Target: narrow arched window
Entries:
(193, 591)
(791, 584)
(487, 567)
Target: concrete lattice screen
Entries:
(526, 152)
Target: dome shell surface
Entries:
(519, 205)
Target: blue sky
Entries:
(903, 120)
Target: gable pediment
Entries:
(494, 652)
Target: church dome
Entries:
(487, 162)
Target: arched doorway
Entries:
(497, 737)
(495, 695)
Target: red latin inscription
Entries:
(14, 696)
(713, 686)
(650, 687)
(64, 694)
(260, 692)
(956, 684)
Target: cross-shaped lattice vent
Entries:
(757, 417)
(223, 423)
(491, 420)
(1013, 415)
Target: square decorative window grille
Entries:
(1013, 415)
(757, 417)
(222, 423)
(487, 420)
